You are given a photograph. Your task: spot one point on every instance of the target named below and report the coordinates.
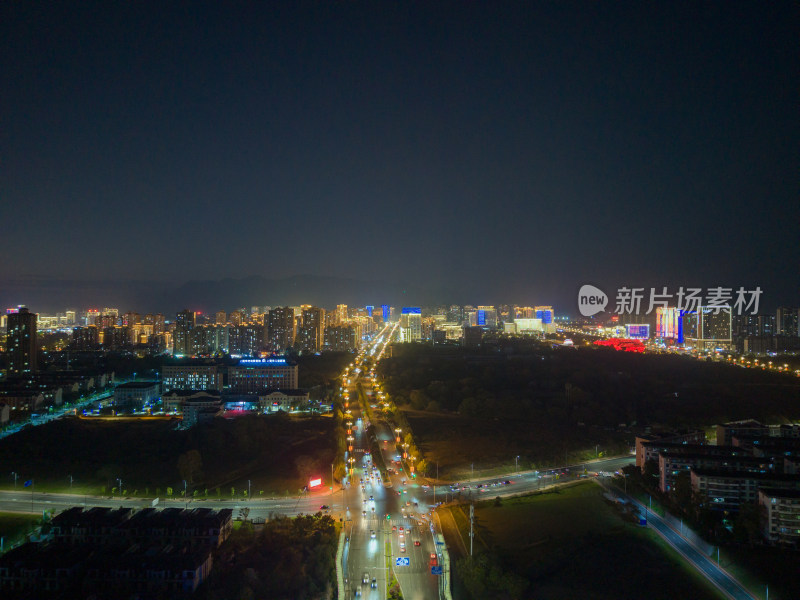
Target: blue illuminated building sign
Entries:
(385, 309)
(262, 361)
(481, 317)
(369, 310)
(412, 310)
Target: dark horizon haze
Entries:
(468, 153)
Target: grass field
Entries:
(456, 442)
(573, 544)
(145, 455)
(14, 526)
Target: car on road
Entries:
(416, 542)
(394, 527)
(324, 507)
(372, 533)
(363, 513)
(365, 579)
(357, 591)
(374, 584)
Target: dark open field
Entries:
(14, 526)
(573, 544)
(145, 455)
(456, 442)
(520, 397)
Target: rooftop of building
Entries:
(739, 456)
(137, 385)
(779, 493)
(284, 392)
(722, 474)
(743, 423)
(191, 393)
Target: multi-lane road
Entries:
(388, 522)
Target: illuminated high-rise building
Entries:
(410, 324)
(185, 321)
(341, 314)
(707, 327)
(486, 316)
(280, 328)
(313, 329)
(546, 314)
(787, 321)
(21, 342)
(221, 317)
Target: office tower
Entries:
(280, 328)
(254, 375)
(385, 312)
(410, 324)
(487, 317)
(221, 317)
(312, 333)
(185, 321)
(21, 342)
(370, 309)
(112, 312)
(546, 314)
(707, 327)
(237, 317)
(787, 321)
(70, 318)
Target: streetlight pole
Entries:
(14, 473)
(516, 464)
(248, 491)
(119, 481)
(185, 497)
(70, 484)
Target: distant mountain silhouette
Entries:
(49, 296)
(227, 294)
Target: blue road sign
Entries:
(402, 561)
(438, 543)
(436, 570)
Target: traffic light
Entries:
(388, 516)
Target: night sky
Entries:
(504, 152)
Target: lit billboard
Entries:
(638, 331)
(669, 324)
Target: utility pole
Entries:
(471, 530)
(14, 473)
